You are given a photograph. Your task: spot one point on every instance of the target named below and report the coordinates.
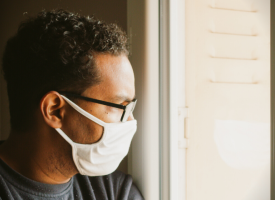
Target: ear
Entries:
(52, 109)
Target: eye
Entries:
(125, 103)
(111, 109)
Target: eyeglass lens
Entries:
(128, 110)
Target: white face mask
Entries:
(103, 157)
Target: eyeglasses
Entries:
(127, 110)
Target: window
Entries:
(210, 95)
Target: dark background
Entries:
(11, 14)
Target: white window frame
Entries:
(153, 158)
(143, 30)
(272, 90)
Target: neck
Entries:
(36, 158)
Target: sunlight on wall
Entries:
(243, 145)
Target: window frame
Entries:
(272, 94)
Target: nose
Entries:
(131, 117)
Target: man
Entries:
(71, 96)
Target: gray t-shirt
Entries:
(14, 186)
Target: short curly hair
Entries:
(55, 51)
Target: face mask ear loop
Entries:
(83, 112)
(65, 136)
(74, 152)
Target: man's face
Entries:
(117, 86)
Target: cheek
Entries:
(81, 129)
(91, 132)
(112, 115)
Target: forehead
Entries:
(117, 78)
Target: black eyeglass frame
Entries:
(124, 108)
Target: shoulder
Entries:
(117, 184)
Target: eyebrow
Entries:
(124, 98)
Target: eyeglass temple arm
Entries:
(95, 100)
